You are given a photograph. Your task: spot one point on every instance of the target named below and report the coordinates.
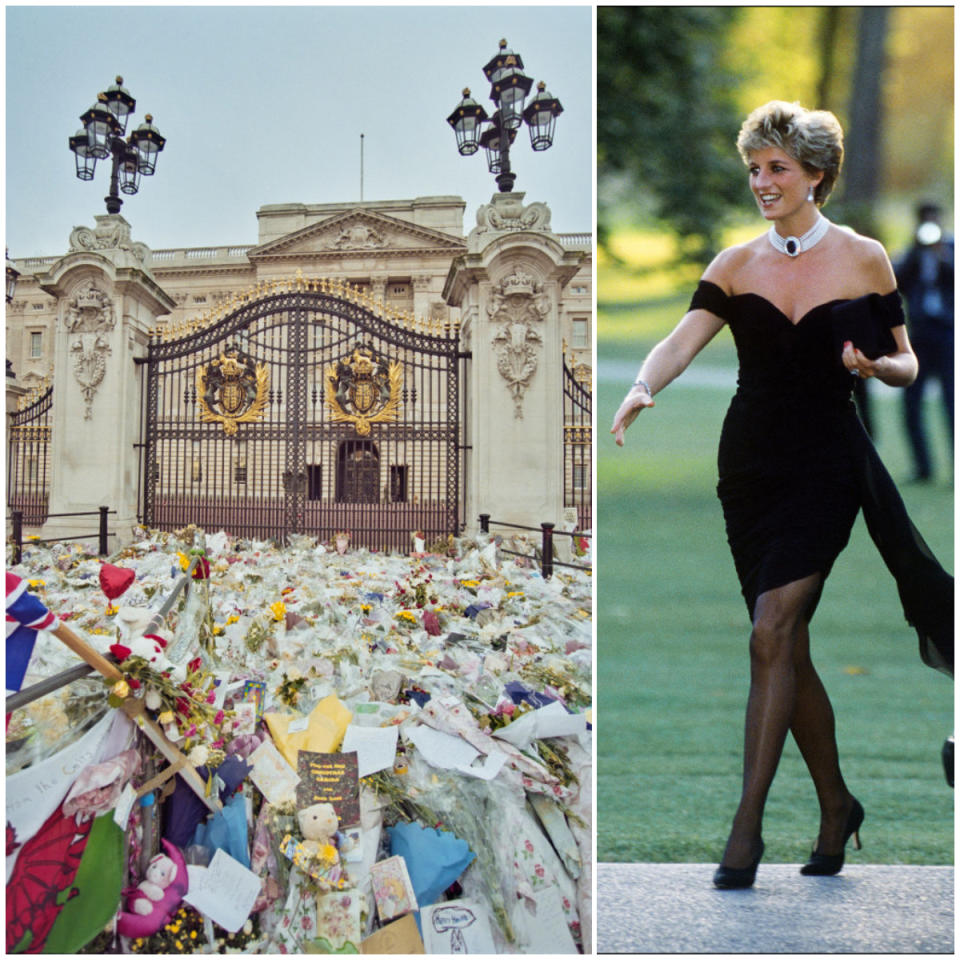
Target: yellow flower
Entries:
(515, 593)
(193, 934)
(121, 688)
(470, 583)
(365, 607)
(279, 610)
(184, 560)
(233, 618)
(166, 717)
(37, 583)
(217, 629)
(328, 852)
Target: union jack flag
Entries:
(25, 616)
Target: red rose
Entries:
(133, 683)
(120, 651)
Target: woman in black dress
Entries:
(794, 463)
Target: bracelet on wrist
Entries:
(643, 383)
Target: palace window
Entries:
(581, 476)
(36, 343)
(358, 472)
(398, 483)
(579, 338)
(314, 481)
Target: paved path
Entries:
(674, 908)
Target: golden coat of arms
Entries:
(232, 389)
(363, 389)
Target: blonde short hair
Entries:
(812, 137)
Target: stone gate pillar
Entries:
(107, 302)
(508, 288)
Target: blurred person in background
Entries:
(925, 277)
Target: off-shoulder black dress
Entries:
(795, 464)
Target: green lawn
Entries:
(672, 642)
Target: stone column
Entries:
(508, 288)
(107, 303)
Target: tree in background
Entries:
(863, 139)
(667, 118)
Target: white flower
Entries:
(198, 755)
(152, 699)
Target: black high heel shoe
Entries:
(829, 864)
(737, 878)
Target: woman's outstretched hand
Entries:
(633, 403)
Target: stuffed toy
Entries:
(151, 903)
(318, 825)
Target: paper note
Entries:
(448, 752)
(456, 926)
(274, 777)
(330, 778)
(376, 747)
(225, 891)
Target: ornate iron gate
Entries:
(578, 443)
(307, 408)
(28, 461)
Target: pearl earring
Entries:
(810, 195)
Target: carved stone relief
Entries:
(109, 233)
(519, 304)
(509, 213)
(356, 236)
(89, 317)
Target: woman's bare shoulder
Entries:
(869, 260)
(726, 265)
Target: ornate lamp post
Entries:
(104, 127)
(509, 87)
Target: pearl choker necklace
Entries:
(794, 246)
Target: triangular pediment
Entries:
(358, 231)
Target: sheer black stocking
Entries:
(786, 694)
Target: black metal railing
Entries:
(102, 533)
(547, 533)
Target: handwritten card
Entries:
(392, 888)
(274, 777)
(330, 778)
(225, 891)
(456, 926)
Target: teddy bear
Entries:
(318, 826)
(158, 894)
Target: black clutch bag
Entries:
(865, 322)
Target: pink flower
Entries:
(539, 871)
(528, 845)
(211, 696)
(218, 719)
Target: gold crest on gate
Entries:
(232, 389)
(363, 389)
